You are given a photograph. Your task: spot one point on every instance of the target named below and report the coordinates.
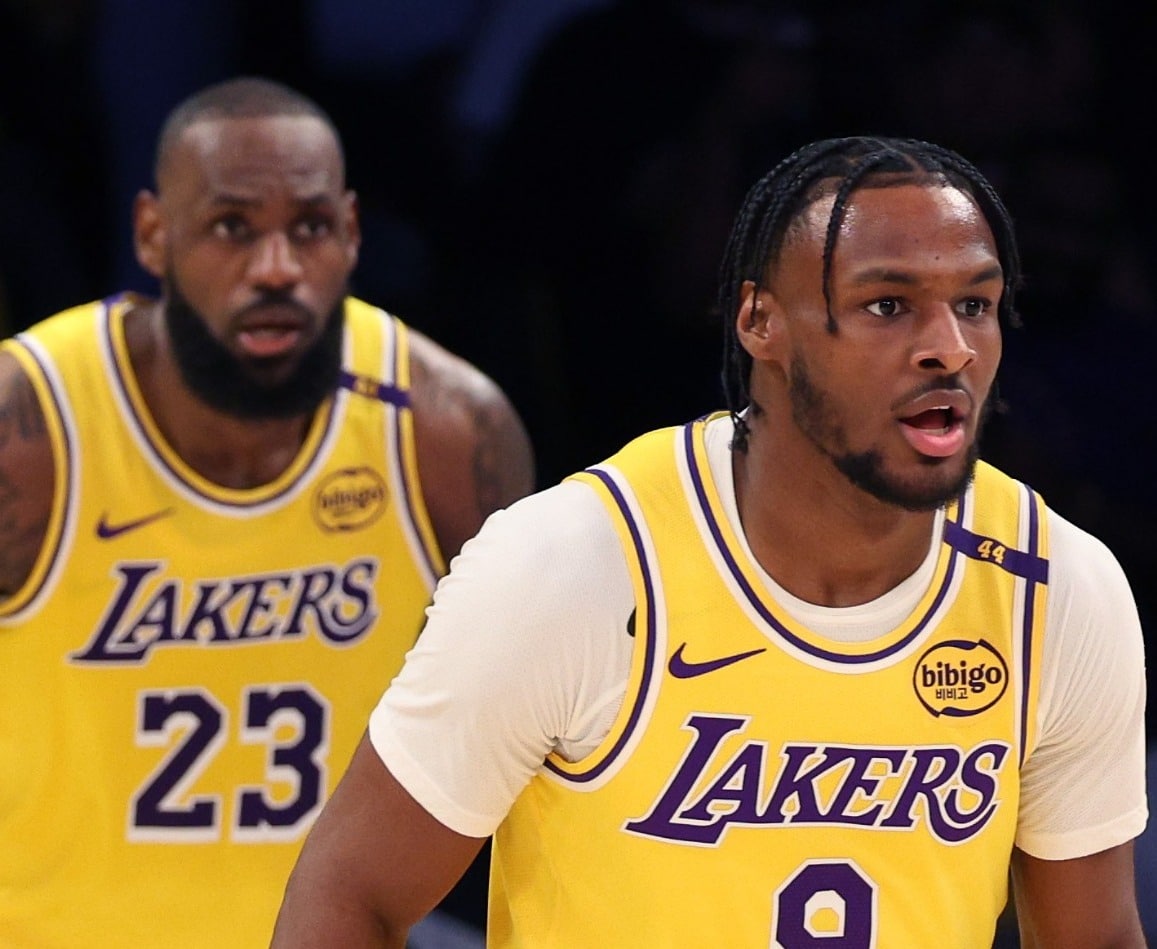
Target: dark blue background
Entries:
(546, 186)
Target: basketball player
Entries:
(222, 515)
(802, 673)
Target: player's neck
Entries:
(820, 537)
(228, 451)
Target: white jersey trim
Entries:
(486, 683)
(138, 419)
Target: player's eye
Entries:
(888, 306)
(973, 307)
(313, 228)
(231, 227)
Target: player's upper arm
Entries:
(474, 455)
(26, 476)
(373, 864)
(1084, 903)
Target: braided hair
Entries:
(836, 166)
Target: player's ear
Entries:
(149, 233)
(759, 324)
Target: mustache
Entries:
(939, 384)
(275, 298)
(237, 387)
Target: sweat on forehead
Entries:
(828, 202)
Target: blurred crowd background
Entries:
(546, 186)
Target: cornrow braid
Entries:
(837, 166)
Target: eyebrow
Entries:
(889, 275)
(226, 199)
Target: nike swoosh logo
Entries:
(107, 531)
(680, 668)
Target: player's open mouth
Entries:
(266, 341)
(934, 424)
(271, 329)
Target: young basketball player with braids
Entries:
(222, 515)
(803, 673)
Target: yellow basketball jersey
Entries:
(764, 786)
(189, 668)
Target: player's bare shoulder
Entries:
(474, 455)
(26, 476)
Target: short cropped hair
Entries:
(242, 97)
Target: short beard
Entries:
(813, 415)
(235, 386)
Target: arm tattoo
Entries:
(20, 413)
(500, 460)
(478, 453)
(21, 530)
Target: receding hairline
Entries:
(246, 97)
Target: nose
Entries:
(942, 344)
(273, 263)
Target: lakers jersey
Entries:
(764, 786)
(189, 668)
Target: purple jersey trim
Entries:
(372, 388)
(109, 302)
(648, 640)
(762, 608)
(1024, 564)
(1029, 618)
(399, 398)
(138, 425)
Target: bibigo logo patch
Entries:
(960, 678)
(349, 500)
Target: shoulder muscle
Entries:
(474, 455)
(26, 476)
